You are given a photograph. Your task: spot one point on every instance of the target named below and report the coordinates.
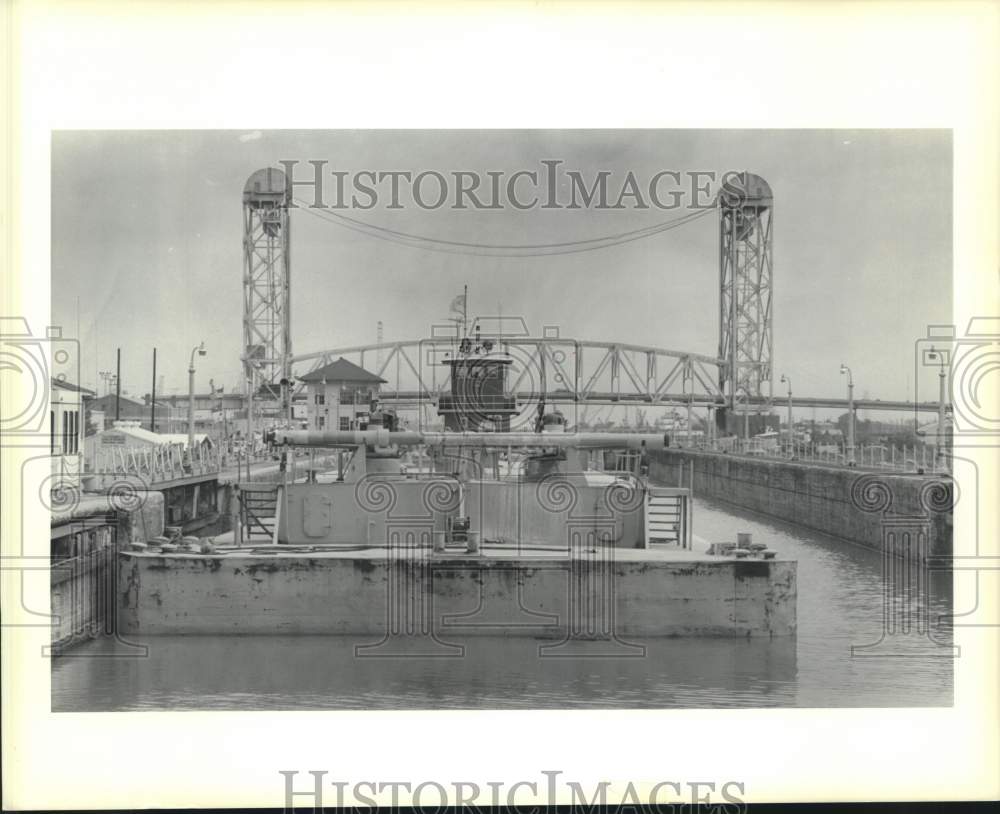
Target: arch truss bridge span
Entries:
(563, 371)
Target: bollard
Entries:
(472, 545)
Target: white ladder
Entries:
(668, 516)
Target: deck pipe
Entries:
(409, 438)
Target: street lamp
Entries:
(850, 413)
(791, 436)
(942, 390)
(200, 350)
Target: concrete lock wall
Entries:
(81, 594)
(849, 503)
(544, 596)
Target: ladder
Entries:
(258, 508)
(668, 516)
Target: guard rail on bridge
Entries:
(153, 465)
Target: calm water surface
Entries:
(840, 604)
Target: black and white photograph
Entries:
(502, 404)
(502, 419)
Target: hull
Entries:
(589, 594)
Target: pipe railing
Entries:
(159, 462)
(386, 438)
(909, 458)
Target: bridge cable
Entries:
(501, 250)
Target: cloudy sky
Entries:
(146, 234)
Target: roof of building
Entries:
(342, 371)
(62, 384)
(131, 428)
(125, 401)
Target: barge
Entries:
(507, 534)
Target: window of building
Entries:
(320, 421)
(320, 398)
(345, 422)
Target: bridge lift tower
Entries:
(745, 273)
(267, 338)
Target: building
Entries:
(341, 395)
(67, 407)
(104, 411)
(213, 412)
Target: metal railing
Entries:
(909, 458)
(158, 463)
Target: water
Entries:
(840, 605)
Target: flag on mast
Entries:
(458, 305)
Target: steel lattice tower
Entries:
(745, 274)
(267, 339)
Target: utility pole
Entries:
(152, 399)
(118, 386)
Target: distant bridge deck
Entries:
(570, 371)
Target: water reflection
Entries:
(840, 605)
(317, 672)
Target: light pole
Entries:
(850, 413)
(791, 435)
(942, 391)
(200, 350)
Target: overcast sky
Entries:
(146, 234)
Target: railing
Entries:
(162, 462)
(915, 458)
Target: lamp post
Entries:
(850, 413)
(200, 350)
(746, 415)
(942, 391)
(791, 436)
